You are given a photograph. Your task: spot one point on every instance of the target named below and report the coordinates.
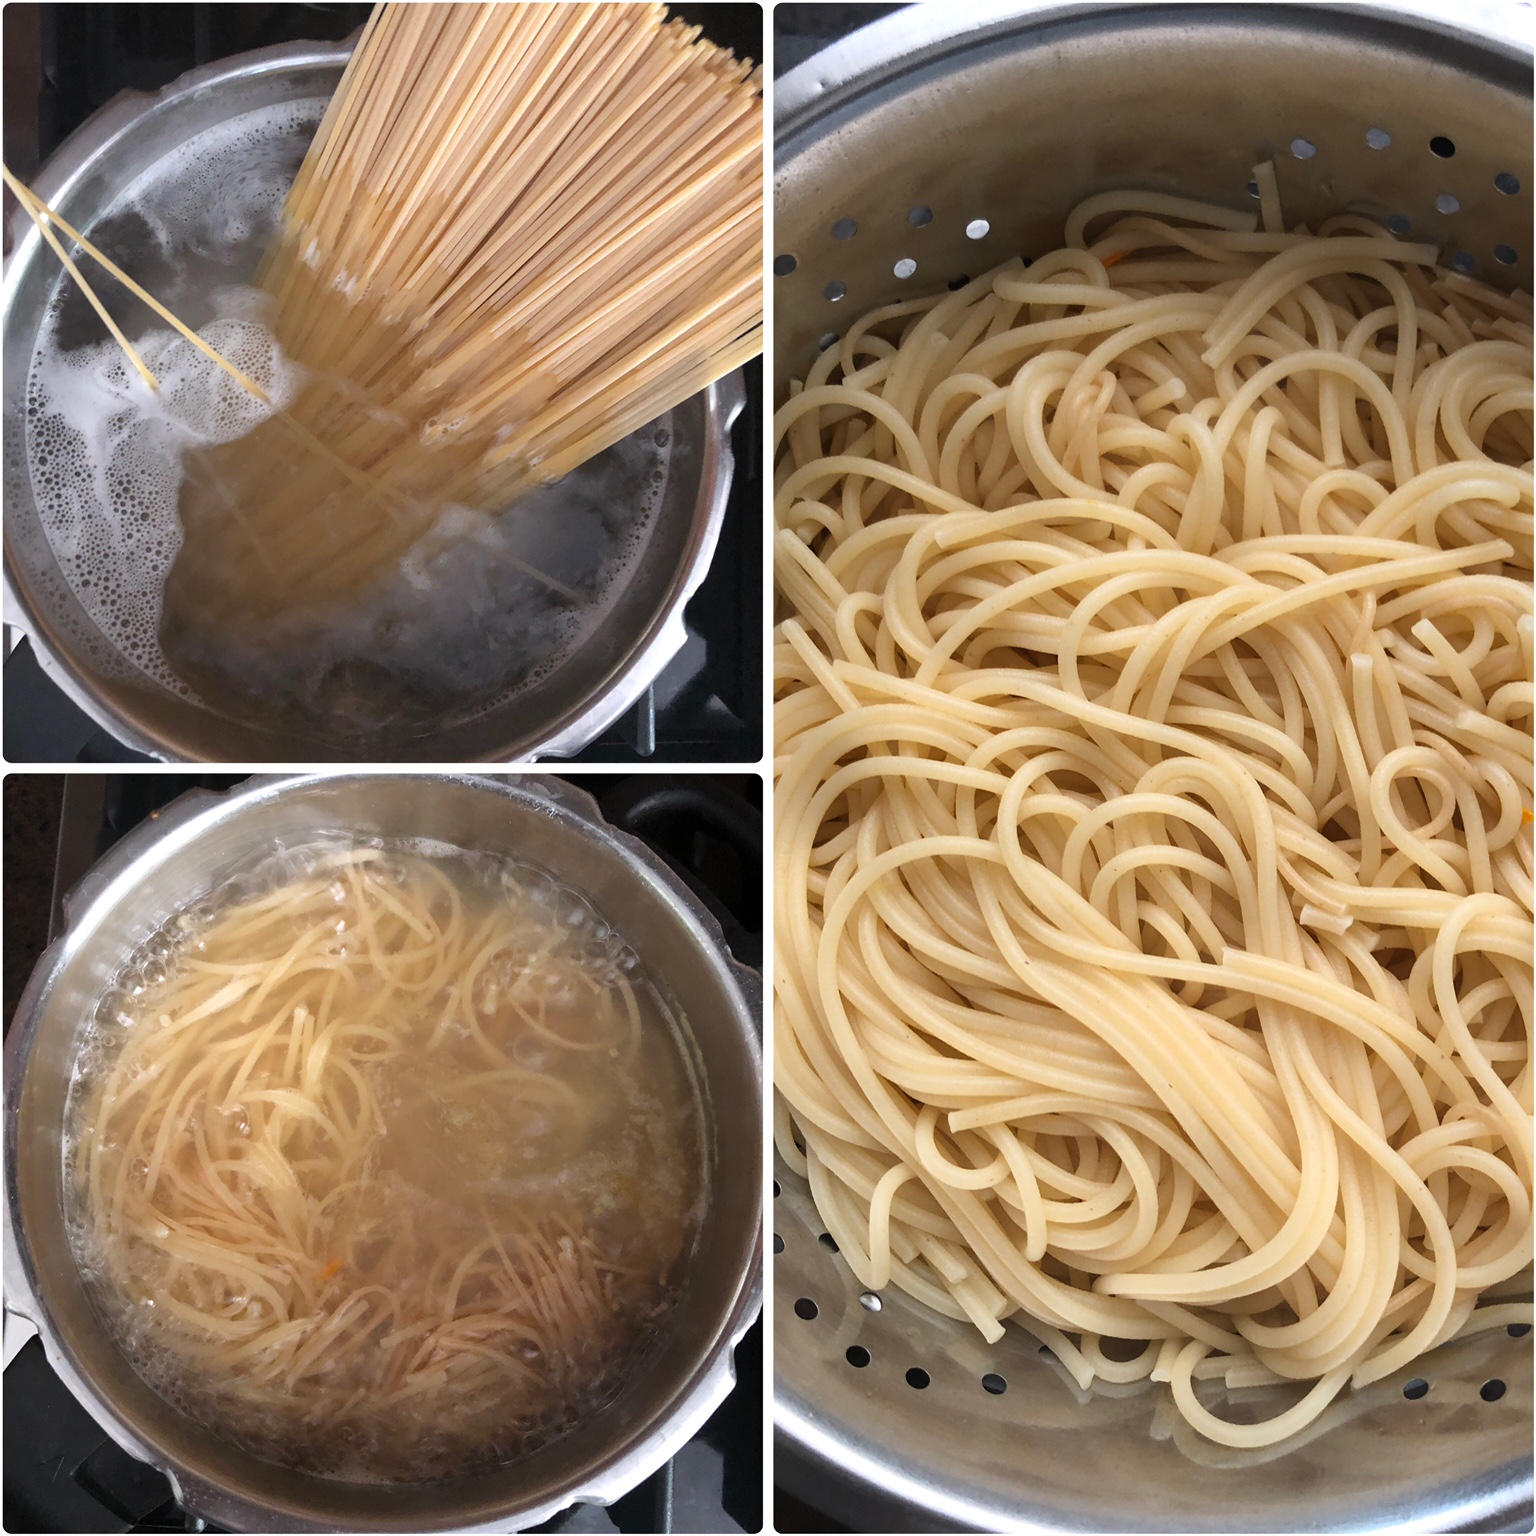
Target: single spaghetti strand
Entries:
(41, 216)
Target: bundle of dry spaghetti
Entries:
(1153, 860)
(332, 1176)
(522, 232)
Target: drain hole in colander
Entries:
(784, 265)
(856, 1356)
(956, 283)
(1416, 1388)
(869, 1301)
(775, 1189)
(1507, 184)
(1378, 138)
(1046, 1352)
(831, 339)
(834, 291)
(828, 1241)
(1253, 189)
(807, 1309)
(1518, 1330)
(1491, 1391)
(994, 1383)
(977, 229)
(917, 1377)
(778, 1243)
(1505, 255)
(905, 267)
(1442, 146)
(920, 217)
(1303, 149)
(1399, 223)
(1448, 203)
(1464, 262)
(1124, 1349)
(844, 229)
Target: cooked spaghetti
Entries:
(1153, 862)
(385, 1164)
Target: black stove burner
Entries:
(707, 705)
(62, 1473)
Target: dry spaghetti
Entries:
(386, 1168)
(1153, 841)
(522, 232)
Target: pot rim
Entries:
(179, 825)
(586, 719)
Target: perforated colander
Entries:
(924, 150)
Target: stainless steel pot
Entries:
(555, 717)
(191, 847)
(930, 146)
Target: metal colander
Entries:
(925, 149)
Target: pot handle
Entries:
(751, 984)
(19, 1329)
(731, 394)
(582, 804)
(216, 1507)
(689, 1418)
(568, 797)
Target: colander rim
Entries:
(918, 33)
(827, 83)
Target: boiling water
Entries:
(419, 1197)
(481, 609)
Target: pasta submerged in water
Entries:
(387, 1165)
(1153, 780)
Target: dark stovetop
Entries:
(801, 29)
(62, 62)
(62, 1473)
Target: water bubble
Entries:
(113, 1007)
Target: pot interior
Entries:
(158, 874)
(496, 634)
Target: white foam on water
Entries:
(104, 451)
(105, 456)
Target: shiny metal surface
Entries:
(862, 1444)
(1011, 113)
(555, 717)
(193, 845)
